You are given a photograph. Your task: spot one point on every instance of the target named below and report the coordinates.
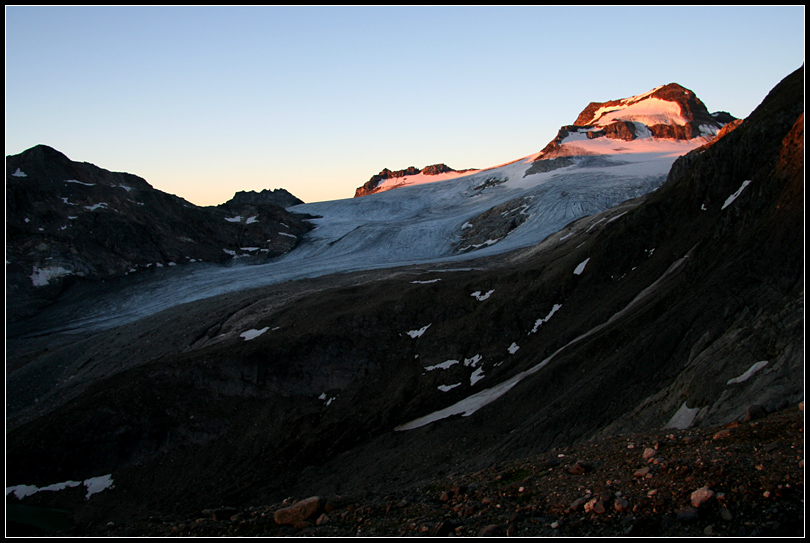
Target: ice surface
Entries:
(419, 179)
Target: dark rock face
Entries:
(682, 295)
(67, 220)
(436, 169)
(372, 185)
(621, 130)
(493, 225)
(277, 197)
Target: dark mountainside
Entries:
(69, 222)
(691, 303)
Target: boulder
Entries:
(299, 512)
(701, 496)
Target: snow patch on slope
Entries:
(734, 196)
(253, 334)
(43, 276)
(650, 112)
(745, 376)
(94, 486)
(418, 333)
(419, 179)
(683, 418)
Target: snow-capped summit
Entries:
(667, 112)
(667, 121)
(664, 105)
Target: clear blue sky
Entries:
(205, 101)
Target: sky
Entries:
(203, 102)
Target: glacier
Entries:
(417, 223)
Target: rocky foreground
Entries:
(742, 479)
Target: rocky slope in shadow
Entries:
(69, 222)
(667, 305)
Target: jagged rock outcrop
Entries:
(278, 197)
(372, 185)
(436, 169)
(67, 220)
(493, 225)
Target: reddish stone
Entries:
(299, 511)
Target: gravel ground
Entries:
(743, 479)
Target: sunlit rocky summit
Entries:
(665, 114)
(386, 179)
(642, 271)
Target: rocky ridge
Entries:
(278, 197)
(372, 185)
(69, 221)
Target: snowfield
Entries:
(420, 222)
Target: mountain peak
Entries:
(668, 105)
(43, 152)
(669, 111)
(279, 197)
